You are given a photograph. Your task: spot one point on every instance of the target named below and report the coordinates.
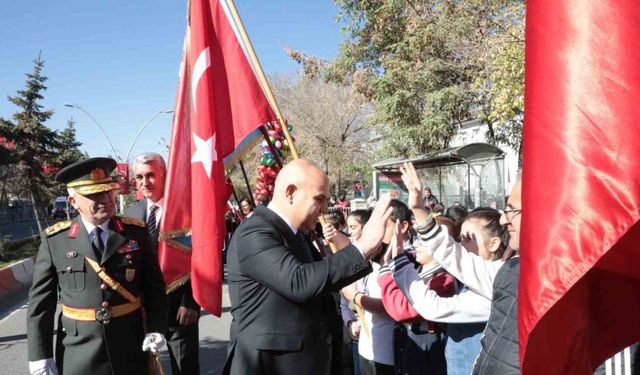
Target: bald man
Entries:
(279, 286)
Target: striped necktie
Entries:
(151, 222)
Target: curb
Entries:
(16, 277)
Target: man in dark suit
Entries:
(182, 337)
(101, 328)
(280, 289)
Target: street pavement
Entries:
(214, 337)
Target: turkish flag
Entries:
(579, 292)
(219, 103)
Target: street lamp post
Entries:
(133, 142)
(76, 106)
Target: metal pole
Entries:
(133, 142)
(235, 196)
(115, 153)
(246, 181)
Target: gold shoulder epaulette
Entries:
(57, 227)
(132, 221)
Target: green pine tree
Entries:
(35, 145)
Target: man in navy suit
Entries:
(182, 337)
(281, 289)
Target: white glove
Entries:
(153, 342)
(43, 367)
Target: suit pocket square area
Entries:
(276, 342)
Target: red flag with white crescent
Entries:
(579, 292)
(225, 104)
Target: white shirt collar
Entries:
(159, 203)
(286, 220)
(104, 226)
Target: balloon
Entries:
(272, 139)
(278, 144)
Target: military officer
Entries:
(103, 271)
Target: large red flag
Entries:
(224, 103)
(579, 293)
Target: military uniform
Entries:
(100, 331)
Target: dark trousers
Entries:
(183, 344)
(412, 359)
(368, 367)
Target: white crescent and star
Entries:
(205, 149)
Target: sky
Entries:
(119, 59)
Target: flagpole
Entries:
(266, 87)
(262, 77)
(271, 146)
(235, 195)
(246, 181)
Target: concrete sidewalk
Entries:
(16, 277)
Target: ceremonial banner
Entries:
(222, 103)
(579, 292)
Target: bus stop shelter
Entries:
(471, 175)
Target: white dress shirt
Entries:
(90, 227)
(286, 220)
(159, 210)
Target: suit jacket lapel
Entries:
(290, 240)
(143, 207)
(114, 242)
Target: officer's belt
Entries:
(98, 314)
(110, 281)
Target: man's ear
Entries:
(290, 191)
(494, 244)
(72, 201)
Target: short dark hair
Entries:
(438, 207)
(457, 213)
(361, 216)
(334, 219)
(400, 211)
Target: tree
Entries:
(69, 147)
(67, 152)
(35, 145)
(428, 65)
(329, 122)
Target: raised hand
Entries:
(331, 234)
(414, 185)
(374, 229)
(397, 245)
